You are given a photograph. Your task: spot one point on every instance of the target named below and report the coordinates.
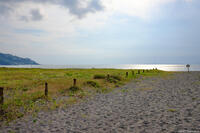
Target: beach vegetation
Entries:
(99, 76)
(116, 77)
(74, 88)
(92, 84)
(172, 110)
(24, 87)
(104, 90)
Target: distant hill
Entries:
(8, 59)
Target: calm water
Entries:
(128, 66)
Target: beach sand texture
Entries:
(152, 105)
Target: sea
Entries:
(165, 67)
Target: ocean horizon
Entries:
(164, 67)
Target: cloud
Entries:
(35, 15)
(53, 28)
(139, 8)
(79, 8)
(5, 8)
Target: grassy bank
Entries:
(24, 88)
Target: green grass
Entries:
(24, 88)
(93, 84)
(172, 110)
(74, 88)
(99, 76)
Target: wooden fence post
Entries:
(138, 71)
(74, 82)
(46, 89)
(1, 96)
(133, 73)
(108, 76)
(126, 74)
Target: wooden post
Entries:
(143, 70)
(138, 71)
(126, 74)
(133, 73)
(74, 82)
(46, 89)
(1, 96)
(108, 76)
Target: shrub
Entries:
(36, 96)
(92, 83)
(118, 84)
(24, 89)
(116, 77)
(99, 76)
(111, 80)
(74, 88)
(68, 74)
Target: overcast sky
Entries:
(101, 31)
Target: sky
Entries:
(61, 32)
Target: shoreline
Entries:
(164, 67)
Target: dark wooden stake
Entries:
(143, 71)
(74, 82)
(1, 96)
(126, 74)
(46, 89)
(138, 71)
(108, 76)
(133, 73)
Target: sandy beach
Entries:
(149, 105)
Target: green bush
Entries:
(93, 84)
(24, 89)
(99, 76)
(111, 80)
(116, 77)
(68, 74)
(74, 88)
